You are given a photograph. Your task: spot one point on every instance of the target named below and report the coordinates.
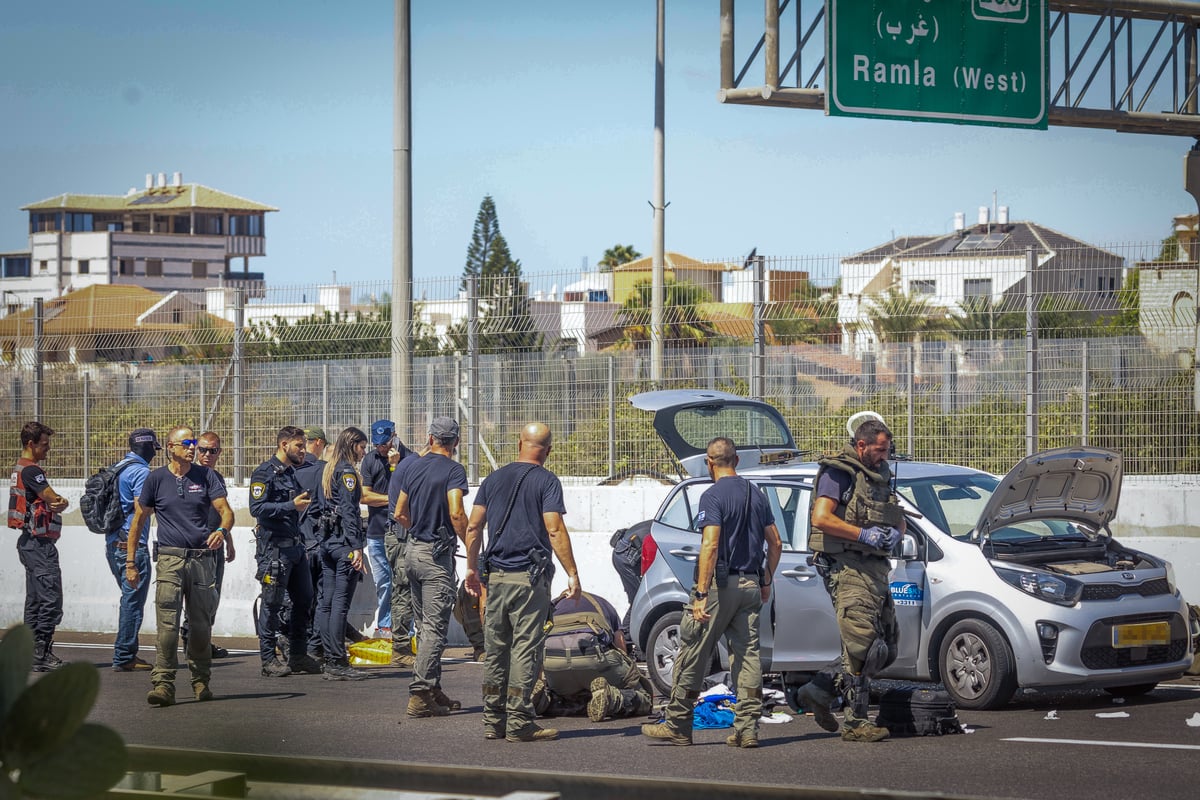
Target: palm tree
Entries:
(896, 317)
(981, 318)
(617, 255)
(809, 316)
(683, 324)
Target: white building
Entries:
(1168, 292)
(987, 261)
(167, 237)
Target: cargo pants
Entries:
(514, 630)
(734, 611)
(184, 577)
(862, 605)
(402, 610)
(432, 584)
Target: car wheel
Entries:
(977, 665)
(1130, 691)
(661, 649)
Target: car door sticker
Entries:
(907, 593)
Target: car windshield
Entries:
(951, 502)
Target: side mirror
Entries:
(908, 547)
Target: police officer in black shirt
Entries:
(276, 501)
(308, 476)
(340, 550)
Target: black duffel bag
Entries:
(918, 712)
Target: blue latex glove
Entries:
(877, 537)
(892, 539)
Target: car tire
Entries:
(1136, 690)
(661, 649)
(977, 665)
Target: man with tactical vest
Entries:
(34, 509)
(856, 521)
(276, 501)
(586, 664)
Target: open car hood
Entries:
(1080, 484)
(687, 419)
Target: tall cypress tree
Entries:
(506, 321)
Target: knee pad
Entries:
(878, 657)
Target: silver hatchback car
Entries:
(999, 583)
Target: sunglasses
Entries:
(184, 443)
(208, 451)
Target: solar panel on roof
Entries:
(153, 199)
(982, 241)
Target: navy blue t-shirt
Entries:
(541, 493)
(836, 484)
(393, 489)
(376, 474)
(182, 504)
(742, 539)
(566, 605)
(426, 483)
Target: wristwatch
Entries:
(699, 595)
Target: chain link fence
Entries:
(938, 334)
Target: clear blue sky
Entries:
(547, 106)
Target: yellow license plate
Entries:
(1143, 634)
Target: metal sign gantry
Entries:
(1123, 65)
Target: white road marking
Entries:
(1100, 743)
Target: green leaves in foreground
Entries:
(46, 747)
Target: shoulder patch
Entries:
(349, 480)
(257, 490)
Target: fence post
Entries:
(910, 379)
(1031, 366)
(366, 400)
(473, 377)
(87, 425)
(239, 396)
(612, 417)
(325, 397)
(1085, 391)
(758, 358)
(430, 379)
(204, 423)
(38, 344)
(870, 377)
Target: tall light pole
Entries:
(401, 383)
(657, 280)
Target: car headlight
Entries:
(1051, 588)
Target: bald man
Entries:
(523, 501)
(181, 494)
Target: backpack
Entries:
(101, 501)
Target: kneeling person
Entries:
(586, 663)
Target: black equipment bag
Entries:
(918, 712)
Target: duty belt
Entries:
(182, 552)
(285, 541)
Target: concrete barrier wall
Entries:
(1157, 516)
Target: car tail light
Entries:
(649, 552)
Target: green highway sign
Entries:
(975, 62)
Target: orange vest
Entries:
(33, 516)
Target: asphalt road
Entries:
(1056, 746)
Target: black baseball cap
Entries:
(141, 437)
